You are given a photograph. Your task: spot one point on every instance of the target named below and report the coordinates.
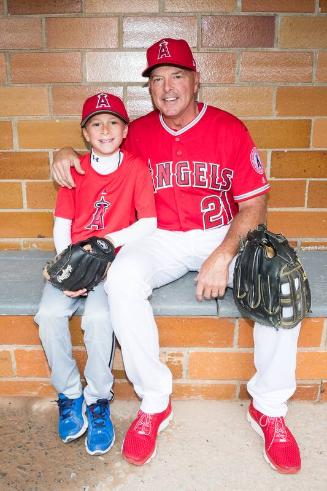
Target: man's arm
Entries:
(63, 160)
(213, 276)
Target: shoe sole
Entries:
(259, 431)
(163, 426)
(100, 452)
(71, 438)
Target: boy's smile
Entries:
(105, 133)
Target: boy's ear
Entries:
(85, 134)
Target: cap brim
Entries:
(85, 120)
(147, 71)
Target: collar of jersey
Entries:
(187, 127)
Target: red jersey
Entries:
(200, 172)
(101, 204)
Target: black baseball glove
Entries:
(270, 285)
(81, 265)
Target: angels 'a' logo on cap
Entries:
(163, 50)
(102, 101)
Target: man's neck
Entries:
(180, 122)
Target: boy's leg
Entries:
(100, 345)
(52, 317)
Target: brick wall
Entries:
(263, 60)
(210, 358)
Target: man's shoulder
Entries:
(223, 116)
(146, 120)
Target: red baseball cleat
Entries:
(139, 445)
(281, 450)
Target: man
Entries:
(210, 190)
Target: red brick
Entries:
(92, 32)
(6, 369)
(195, 331)
(6, 141)
(140, 32)
(24, 165)
(317, 194)
(216, 67)
(322, 66)
(311, 332)
(69, 100)
(280, 133)
(123, 390)
(118, 6)
(301, 6)
(25, 388)
(138, 101)
(286, 193)
(26, 224)
(13, 101)
(31, 363)
(241, 101)
(19, 7)
(311, 365)
(41, 194)
(220, 365)
(19, 329)
(245, 333)
(320, 133)
(50, 134)
(118, 67)
(20, 33)
(11, 195)
(298, 224)
(200, 6)
(202, 391)
(175, 363)
(238, 31)
(301, 101)
(323, 392)
(3, 75)
(40, 244)
(306, 392)
(316, 245)
(323, 6)
(302, 32)
(311, 164)
(276, 66)
(46, 67)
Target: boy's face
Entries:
(105, 132)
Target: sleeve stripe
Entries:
(255, 192)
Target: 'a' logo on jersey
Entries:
(163, 50)
(97, 221)
(102, 101)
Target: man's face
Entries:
(173, 91)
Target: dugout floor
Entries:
(209, 446)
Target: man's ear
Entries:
(125, 131)
(196, 82)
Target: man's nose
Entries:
(167, 84)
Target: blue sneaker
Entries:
(100, 435)
(72, 420)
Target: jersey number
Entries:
(213, 210)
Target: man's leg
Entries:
(100, 346)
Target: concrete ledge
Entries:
(21, 285)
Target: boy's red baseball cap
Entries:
(169, 51)
(103, 103)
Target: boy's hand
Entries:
(65, 159)
(78, 293)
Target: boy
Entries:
(115, 190)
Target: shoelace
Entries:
(65, 407)
(98, 411)
(143, 426)
(280, 432)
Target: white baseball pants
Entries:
(53, 319)
(160, 259)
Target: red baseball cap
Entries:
(103, 103)
(169, 51)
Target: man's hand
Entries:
(65, 159)
(78, 293)
(213, 276)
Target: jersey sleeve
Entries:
(143, 192)
(65, 204)
(249, 179)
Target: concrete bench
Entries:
(21, 285)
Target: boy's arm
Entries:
(138, 230)
(62, 233)
(63, 160)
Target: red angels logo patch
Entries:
(102, 101)
(163, 50)
(255, 161)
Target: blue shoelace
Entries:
(65, 406)
(99, 412)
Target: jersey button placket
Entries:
(177, 190)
